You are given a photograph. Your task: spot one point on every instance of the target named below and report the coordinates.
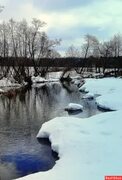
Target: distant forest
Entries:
(24, 44)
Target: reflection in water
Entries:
(20, 120)
(27, 163)
(7, 171)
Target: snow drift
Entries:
(89, 148)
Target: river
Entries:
(20, 120)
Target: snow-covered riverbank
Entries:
(9, 87)
(108, 90)
(5, 82)
(88, 148)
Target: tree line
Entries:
(27, 41)
(20, 40)
(91, 46)
(98, 54)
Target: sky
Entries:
(69, 20)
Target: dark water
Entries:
(20, 120)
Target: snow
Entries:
(89, 96)
(88, 148)
(5, 82)
(102, 86)
(78, 82)
(74, 107)
(112, 101)
(83, 89)
(109, 91)
(39, 79)
(1, 90)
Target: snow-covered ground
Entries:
(5, 82)
(39, 79)
(8, 83)
(88, 148)
(108, 90)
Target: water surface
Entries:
(20, 120)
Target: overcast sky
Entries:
(69, 20)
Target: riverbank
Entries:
(88, 148)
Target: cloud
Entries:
(3, 2)
(99, 14)
(91, 16)
(57, 5)
(69, 19)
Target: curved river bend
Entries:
(20, 120)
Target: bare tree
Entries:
(73, 52)
(116, 44)
(22, 41)
(4, 40)
(90, 46)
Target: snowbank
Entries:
(88, 148)
(5, 82)
(1, 90)
(109, 91)
(78, 82)
(112, 101)
(74, 107)
(89, 96)
(39, 79)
